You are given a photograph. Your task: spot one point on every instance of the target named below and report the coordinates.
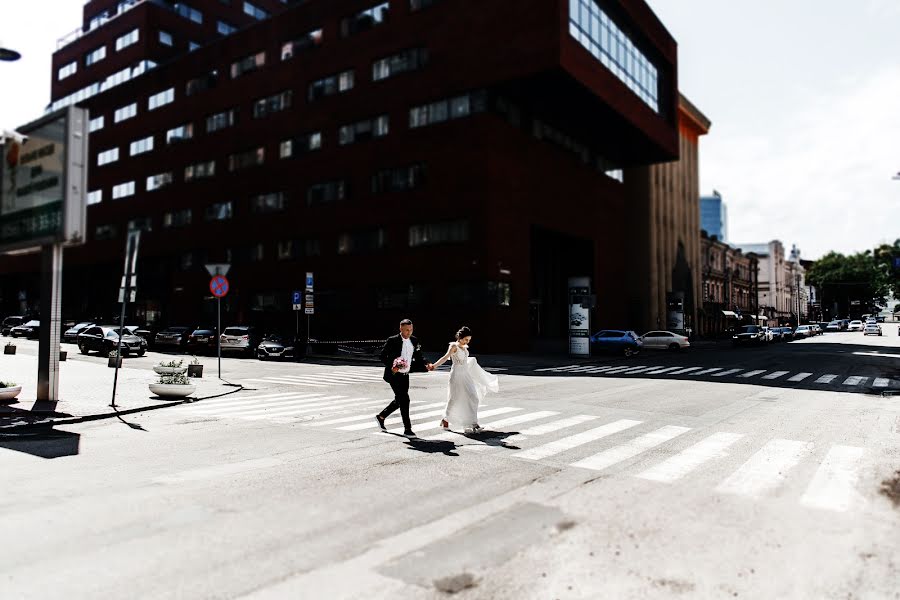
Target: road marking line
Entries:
(218, 470)
(323, 379)
(573, 441)
(834, 485)
(881, 382)
(639, 370)
(343, 376)
(555, 368)
(598, 369)
(775, 374)
(799, 377)
(551, 427)
(486, 413)
(263, 396)
(826, 378)
(767, 469)
(617, 370)
(303, 410)
(393, 420)
(630, 449)
(363, 417)
(855, 380)
(259, 408)
(541, 414)
(728, 372)
(708, 371)
(253, 404)
(482, 444)
(227, 401)
(749, 374)
(675, 372)
(689, 459)
(581, 369)
(287, 382)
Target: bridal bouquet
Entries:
(399, 364)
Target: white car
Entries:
(803, 330)
(855, 325)
(664, 340)
(872, 329)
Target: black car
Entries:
(172, 338)
(9, 323)
(71, 334)
(749, 334)
(105, 338)
(201, 341)
(30, 330)
(276, 346)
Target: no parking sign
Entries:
(218, 285)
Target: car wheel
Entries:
(82, 348)
(674, 347)
(141, 353)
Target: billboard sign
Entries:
(43, 182)
(579, 316)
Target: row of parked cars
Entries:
(627, 342)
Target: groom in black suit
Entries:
(407, 347)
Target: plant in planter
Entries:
(62, 355)
(9, 348)
(171, 367)
(112, 359)
(195, 369)
(175, 385)
(9, 390)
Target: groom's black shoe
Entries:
(380, 420)
(410, 434)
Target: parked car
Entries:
(9, 323)
(240, 338)
(664, 340)
(783, 334)
(750, 334)
(872, 329)
(172, 338)
(768, 334)
(105, 338)
(71, 334)
(202, 341)
(856, 325)
(804, 331)
(29, 329)
(817, 328)
(616, 340)
(835, 326)
(276, 346)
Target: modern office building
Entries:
(714, 216)
(451, 161)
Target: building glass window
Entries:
(364, 130)
(67, 70)
(128, 39)
(95, 197)
(285, 250)
(220, 121)
(311, 39)
(415, 5)
(180, 133)
(329, 191)
(454, 232)
(96, 124)
(255, 11)
(200, 170)
(592, 27)
(403, 62)
(107, 156)
(123, 190)
(161, 99)
(249, 158)
(95, 56)
(248, 64)
(177, 218)
(154, 182)
(308, 142)
(361, 242)
(480, 294)
(267, 203)
(141, 146)
(140, 224)
(225, 28)
(188, 13)
(199, 84)
(451, 108)
(126, 112)
(365, 19)
(219, 212)
(398, 179)
(328, 86)
(165, 38)
(105, 232)
(272, 104)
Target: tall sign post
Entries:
(297, 305)
(126, 294)
(309, 307)
(219, 287)
(43, 207)
(580, 303)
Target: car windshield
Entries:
(32, 323)
(202, 332)
(235, 331)
(749, 329)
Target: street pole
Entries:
(219, 333)
(48, 345)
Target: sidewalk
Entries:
(86, 392)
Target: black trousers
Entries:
(400, 385)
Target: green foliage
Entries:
(172, 364)
(177, 379)
(864, 276)
(113, 353)
(7, 384)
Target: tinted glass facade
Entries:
(714, 217)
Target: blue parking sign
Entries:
(297, 298)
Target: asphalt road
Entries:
(711, 473)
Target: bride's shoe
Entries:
(477, 428)
(445, 425)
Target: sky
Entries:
(804, 99)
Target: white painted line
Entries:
(581, 369)
(542, 414)
(617, 370)
(707, 371)
(393, 420)
(799, 377)
(728, 372)
(555, 368)
(573, 441)
(479, 445)
(364, 417)
(834, 485)
(295, 407)
(482, 414)
(775, 374)
(287, 382)
(855, 380)
(598, 369)
(496, 369)
(676, 372)
(883, 355)
(749, 374)
(881, 382)
(630, 449)
(689, 459)
(231, 402)
(254, 404)
(320, 379)
(767, 469)
(218, 470)
(305, 410)
(344, 376)
(262, 396)
(551, 427)
(826, 378)
(639, 370)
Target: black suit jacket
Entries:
(393, 347)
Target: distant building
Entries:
(730, 288)
(783, 297)
(714, 216)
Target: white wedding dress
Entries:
(469, 384)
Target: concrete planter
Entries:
(172, 390)
(112, 362)
(62, 355)
(9, 349)
(170, 370)
(195, 370)
(9, 393)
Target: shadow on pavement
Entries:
(48, 443)
(432, 446)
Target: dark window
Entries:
(249, 158)
(365, 19)
(220, 121)
(398, 179)
(480, 294)
(105, 232)
(361, 242)
(267, 203)
(402, 62)
(272, 104)
(248, 64)
(401, 296)
(219, 212)
(415, 5)
(199, 84)
(178, 218)
(333, 84)
(364, 130)
(453, 232)
(311, 39)
(329, 191)
(306, 142)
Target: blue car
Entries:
(616, 341)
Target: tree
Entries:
(856, 283)
(885, 257)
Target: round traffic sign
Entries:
(218, 286)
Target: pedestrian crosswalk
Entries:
(724, 374)
(746, 465)
(324, 379)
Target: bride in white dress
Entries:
(469, 384)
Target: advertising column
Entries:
(579, 316)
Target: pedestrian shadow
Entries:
(491, 438)
(44, 443)
(444, 447)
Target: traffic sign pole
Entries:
(219, 334)
(219, 286)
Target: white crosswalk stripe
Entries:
(259, 406)
(493, 425)
(413, 416)
(370, 416)
(688, 460)
(550, 427)
(630, 449)
(241, 404)
(750, 374)
(598, 369)
(728, 372)
(288, 382)
(573, 441)
(675, 371)
(285, 411)
(640, 370)
(881, 382)
(708, 371)
(855, 380)
(799, 377)
(826, 378)
(617, 370)
(486, 413)
(834, 485)
(775, 374)
(767, 469)
(555, 368)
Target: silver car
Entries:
(872, 329)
